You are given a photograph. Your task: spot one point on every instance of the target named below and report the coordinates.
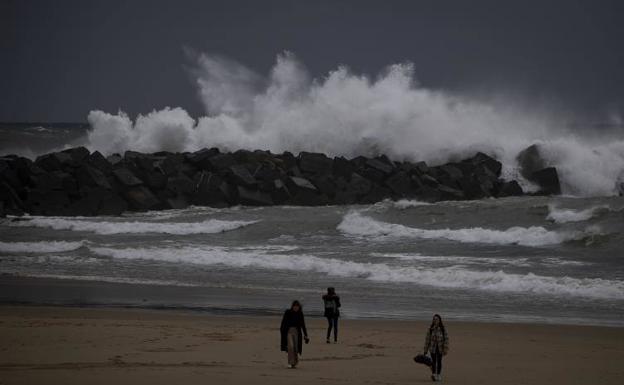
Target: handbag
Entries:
(423, 359)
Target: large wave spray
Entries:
(349, 114)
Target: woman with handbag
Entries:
(437, 344)
(291, 330)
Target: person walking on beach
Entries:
(291, 330)
(437, 344)
(332, 312)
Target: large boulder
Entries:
(47, 181)
(315, 163)
(548, 181)
(440, 193)
(343, 167)
(154, 179)
(249, 197)
(91, 177)
(534, 168)
(126, 177)
(303, 192)
(12, 202)
(181, 185)
(379, 166)
(473, 188)
(169, 165)
(200, 158)
(400, 184)
(10, 176)
(241, 176)
(78, 154)
(98, 201)
(208, 190)
(487, 162)
(114, 159)
(376, 194)
(509, 189)
(296, 184)
(530, 160)
(141, 198)
(40, 202)
(267, 173)
(372, 174)
(112, 204)
(288, 160)
(221, 162)
(230, 193)
(279, 192)
(420, 168)
(176, 203)
(54, 161)
(359, 185)
(97, 160)
(15, 170)
(324, 184)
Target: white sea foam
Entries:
(483, 261)
(350, 114)
(555, 261)
(402, 204)
(559, 215)
(40, 247)
(447, 277)
(356, 224)
(100, 278)
(209, 226)
(457, 259)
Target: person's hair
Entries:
(331, 290)
(441, 324)
(296, 303)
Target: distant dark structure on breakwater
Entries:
(77, 182)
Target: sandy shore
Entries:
(47, 345)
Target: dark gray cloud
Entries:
(61, 59)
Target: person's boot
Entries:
(438, 377)
(433, 377)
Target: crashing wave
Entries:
(445, 277)
(559, 215)
(210, 226)
(40, 247)
(353, 223)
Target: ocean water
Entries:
(528, 259)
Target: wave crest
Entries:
(210, 226)
(40, 247)
(446, 277)
(353, 223)
(559, 215)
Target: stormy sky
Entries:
(61, 59)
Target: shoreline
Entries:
(45, 344)
(218, 301)
(268, 313)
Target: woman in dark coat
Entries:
(332, 312)
(291, 330)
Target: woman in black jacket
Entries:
(332, 312)
(293, 324)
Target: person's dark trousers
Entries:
(436, 362)
(332, 322)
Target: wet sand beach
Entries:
(63, 345)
